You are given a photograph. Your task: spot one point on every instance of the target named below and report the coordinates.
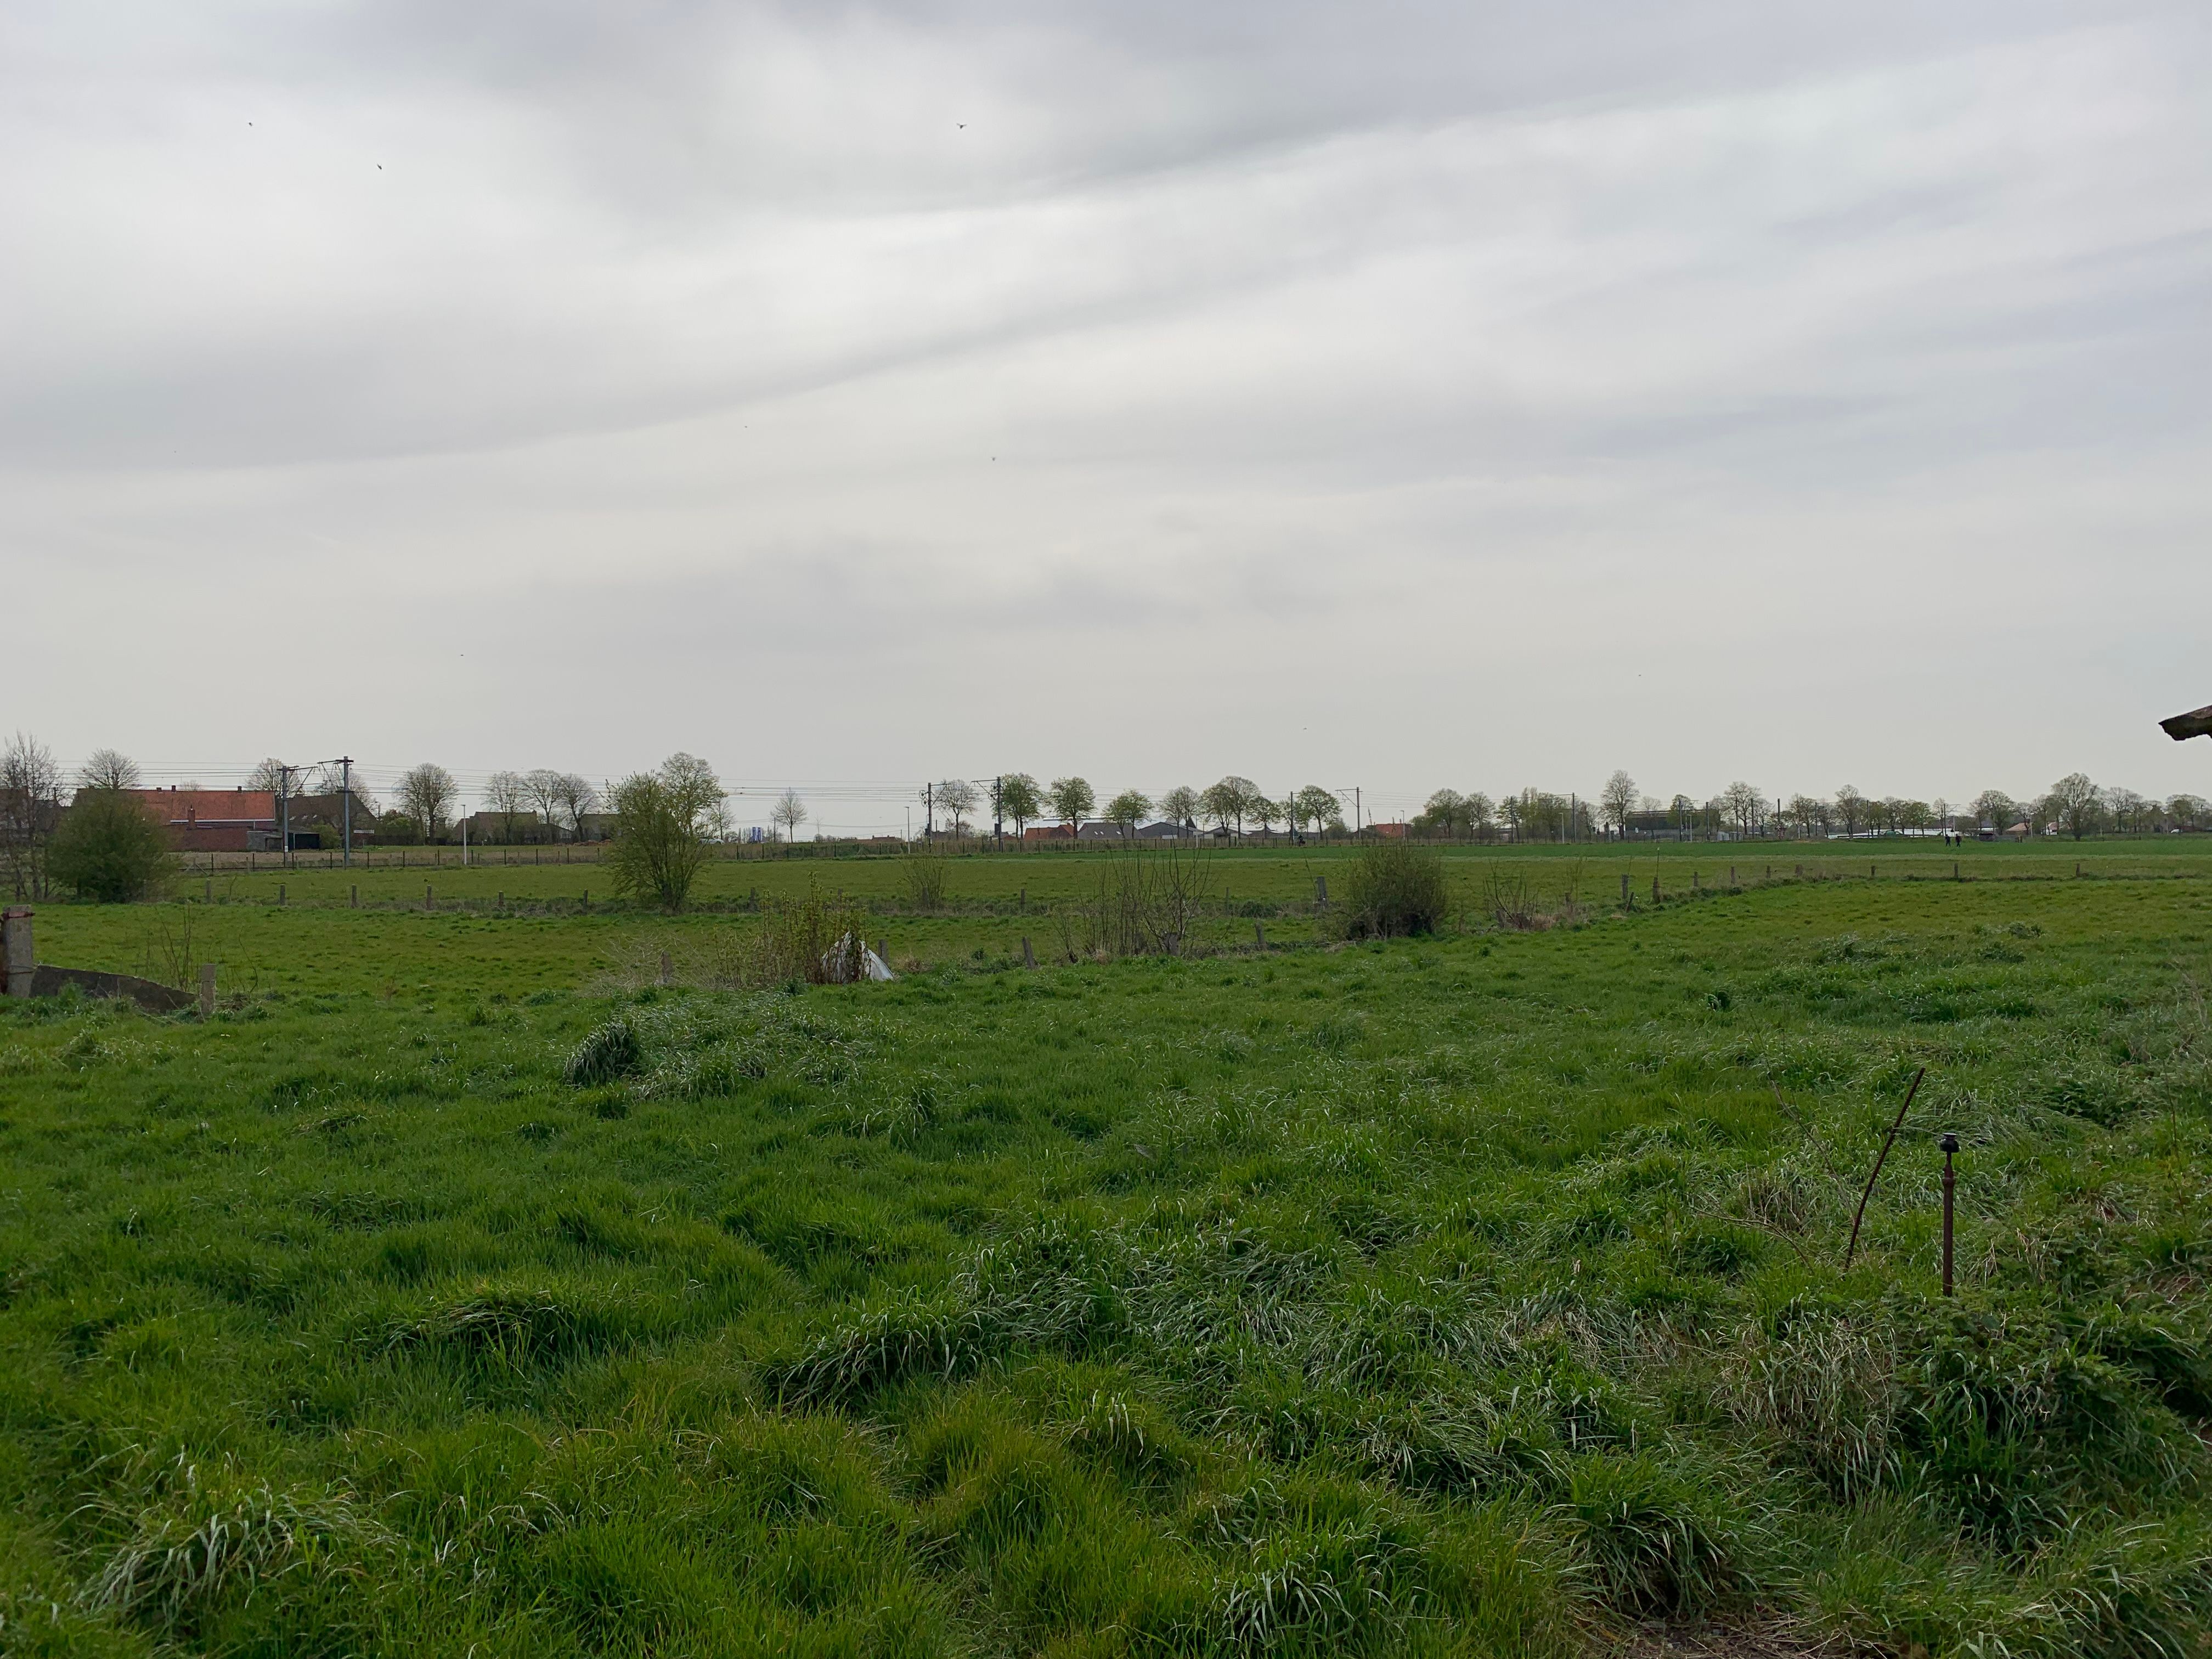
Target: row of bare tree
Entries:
(2074, 806)
(1232, 804)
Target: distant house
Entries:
(1165, 831)
(309, 815)
(1102, 829)
(1047, 832)
(215, 820)
(1387, 831)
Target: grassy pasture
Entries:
(530, 926)
(1474, 1295)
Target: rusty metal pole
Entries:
(1950, 1145)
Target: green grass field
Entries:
(1479, 1294)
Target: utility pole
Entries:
(1355, 811)
(345, 804)
(284, 809)
(997, 813)
(929, 812)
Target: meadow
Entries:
(459, 1289)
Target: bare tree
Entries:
(1481, 815)
(1852, 808)
(509, 795)
(1616, 801)
(30, 808)
(272, 775)
(1180, 805)
(2127, 808)
(1072, 800)
(957, 799)
(788, 814)
(111, 769)
(543, 786)
(575, 796)
(1744, 805)
(2074, 803)
(333, 780)
(427, 795)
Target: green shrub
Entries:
(109, 848)
(1394, 890)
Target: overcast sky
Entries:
(1399, 395)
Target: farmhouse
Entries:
(215, 820)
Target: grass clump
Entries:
(208, 1538)
(611, 1052)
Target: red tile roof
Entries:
(211, 805)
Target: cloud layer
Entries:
(1381, 395)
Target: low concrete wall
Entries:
(50, 981)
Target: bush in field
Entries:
(109, 848)
(665, 824)
(1394, 889)
(925, 880)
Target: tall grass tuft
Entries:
(209, 1539)
(610, 1051)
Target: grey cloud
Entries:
(697, 348)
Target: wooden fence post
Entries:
(207, 990)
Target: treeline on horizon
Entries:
(547, 804)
